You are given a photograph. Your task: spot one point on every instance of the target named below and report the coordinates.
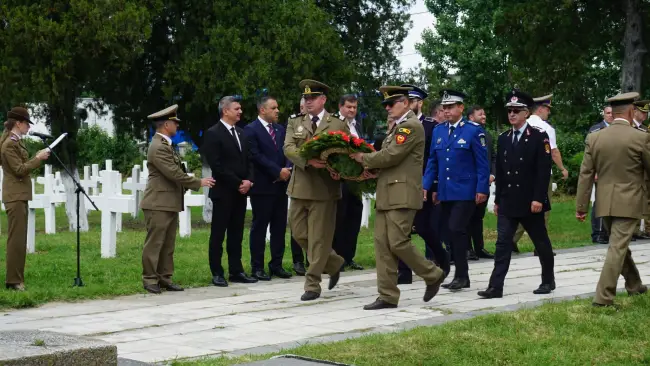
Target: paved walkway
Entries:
(265, 317)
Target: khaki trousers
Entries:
(618, 260)
(393, 242)
(312, 225)
(520, 229)
(158, 252)
(16, 241)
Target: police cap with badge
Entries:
(517, 99)
(450, 97)
(415, 92)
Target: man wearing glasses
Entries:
(523, 170)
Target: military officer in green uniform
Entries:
(162, 201)
(641, 109)
(399, 196)
(17, 191)
(620, 155)
(314, 192)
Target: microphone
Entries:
(41, 135)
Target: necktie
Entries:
(451, 130)
(232, 131)
(515, 141)
(314, 126)
(272, 133)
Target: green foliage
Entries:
(33, 146)
(193, 159)
(572, 147)
(96, 146)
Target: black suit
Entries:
(230, 166)
(522, 176)
(476, 226)
(598, 231)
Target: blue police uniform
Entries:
(458, 169)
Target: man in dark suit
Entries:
(350, 207)
(598, 233)
(269, 195)
(523, 170)
(228, 154)
(477, 114)
(427, 220)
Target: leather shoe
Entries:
(260, 275)
(171, 287)
(241, 278)
(404, 278)
(642, 290)
(299, 268)
(334, 279)
(219, 281)
(491, 293)
(457, 284)
(471, 255)
(20, 287)
(485, 254)
(354, 266)
(432, 290)
(309, 295)
(379, 304)
(153, 289)
(279, 272)
(545, 288)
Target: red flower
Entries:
(315, 138)
(346, 138)
(357, 142)
(331, 133)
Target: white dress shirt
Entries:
(320, 117)
(536, 121)
(265, 124)
(352, 124)
(169, 140)
(229, 128)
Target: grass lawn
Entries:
(50, 272)
(567, 333)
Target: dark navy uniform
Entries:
(459, 165)
(523, 170)
(476, 226)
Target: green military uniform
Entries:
(16, 192)
(314, 194)
(644, 106)
(620, 155)
(399, 196)
(162, 201)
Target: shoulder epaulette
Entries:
(339, 116)
(14, 138)
(473, 123)
(537, 128)
(297, 115)
(595, 130)
(429, 119)
(440, 124)
(640, 129)
(504, 132)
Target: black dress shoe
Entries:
(171, 287)
(279, 272)
(633, 239)
(601, 241)
(457, 284)
(299, 268)
(260, 275)
(334, 279)
(485, 254)
(241, 278)
(153, 289)
(432, 290)
(471, 256)
(545, 288)
(379, 304)
(642, 290)
(309, 295)
(404, 278)
(354, 266)
(491, 293)
(219, 281)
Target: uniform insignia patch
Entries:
(462, 141)
(14, 138)
(482, 138)
(400, 139)
(461, 124)
(547, 147)
(300, 128)
(439, 140)
(405, 131)
(341, 117)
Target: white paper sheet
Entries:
(56, 142)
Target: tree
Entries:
(635, 50)
(54, 51)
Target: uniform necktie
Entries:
(272, 133)
(515, 141)
(232, 131)
(314, 126)
(451, 130)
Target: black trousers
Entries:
(228, 215)
(268, 210)
(476, 226)
(458, 215)
(348, 224)
(427, 224)
(296, 252)
(536, 229)
(597, 226)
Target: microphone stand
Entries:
(80, 189)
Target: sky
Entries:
(421, 19)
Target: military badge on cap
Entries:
(450, 97)
(642, 105)
(167, 114)
(313, 87)
(518, 99)
(393, 93)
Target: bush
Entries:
(193, 159)
(95, 146)
(572, 146)
(34, 146)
